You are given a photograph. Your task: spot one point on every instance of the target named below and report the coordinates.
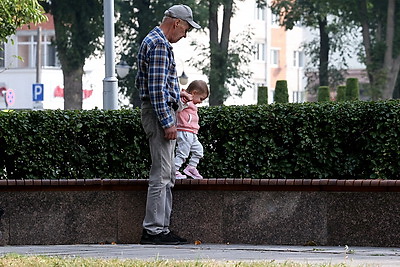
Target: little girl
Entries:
(188, 126)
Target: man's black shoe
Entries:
(180, 239)
(160, 239)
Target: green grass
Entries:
(40, 261)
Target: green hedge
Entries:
(73, 144)
(338, 140)
(345, 140)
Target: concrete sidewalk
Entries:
(353, 256)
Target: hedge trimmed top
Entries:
(345, 140)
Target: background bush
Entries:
(262, 96)
(341, 93)
(352, 89)
(281, 92)
(338, 140)
(323, 94)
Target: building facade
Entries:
(19, 71)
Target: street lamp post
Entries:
(110, 82)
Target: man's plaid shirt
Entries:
(156, 78)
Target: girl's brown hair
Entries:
(198, 85)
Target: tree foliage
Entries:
(227, 56)
(322, 17)
(380, 24)
(16, 13)
(227, 62)
(226, 69)
(78, 26)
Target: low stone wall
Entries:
(245, 211)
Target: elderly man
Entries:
(160, 93)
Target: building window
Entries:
(298, 96)
(274, 57)
(275, 19)
(50, 58)
(260, 51)
(260, 13)
(27, 49)
(298, 59)
(2, 64)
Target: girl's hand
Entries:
(185, 96)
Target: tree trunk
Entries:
(366, 38)
(226, 26)
(396, 92)
(213, 22)
(323, 53)
(382, 78)
(219, 52)
(390, 65)
(73, 89)
(213, 77)
(392, 75)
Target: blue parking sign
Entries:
(37, 92)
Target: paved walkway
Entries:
(353, 256)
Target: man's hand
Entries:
(170, 133)
(185, 96)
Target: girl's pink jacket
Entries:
(188, 119)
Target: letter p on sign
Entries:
(37, 91)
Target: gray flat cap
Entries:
(182, 12)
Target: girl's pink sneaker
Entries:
(193, 172)
(179, 175)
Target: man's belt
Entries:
(172, 105)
